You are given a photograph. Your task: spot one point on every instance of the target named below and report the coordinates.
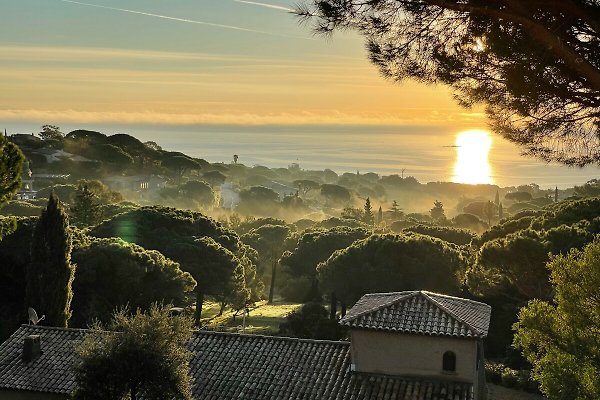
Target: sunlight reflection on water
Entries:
(472, 158)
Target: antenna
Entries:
(33, 317)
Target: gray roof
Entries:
(234, 366)
(420, 312)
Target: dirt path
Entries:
(502, 393)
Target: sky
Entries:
(157, 68)
(196, 62)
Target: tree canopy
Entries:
(560, 338)
(143, 355)
(112, 274)
(516, 251)
(386, 263)
(315, 247)
(212, 254)
(11, 162)
(535, 64)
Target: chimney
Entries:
(31, 348)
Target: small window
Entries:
(449, 361)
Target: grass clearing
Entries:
(263, 319)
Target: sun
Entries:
(472, 163)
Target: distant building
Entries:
(404, 346)
(135, 183)
(26, 192)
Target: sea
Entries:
(428, 154)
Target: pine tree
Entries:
(11, 163)
(50, 273)
(380, 215)
(500, 212)
(86, 210)
(497, 199)
(437, 212)
(368, 213)
(395, 210)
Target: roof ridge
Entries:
(409, 293)
(198, 331)
(55, 328)
(282, 338)
(456, 298)
(452, 314)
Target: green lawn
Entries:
(263, 319)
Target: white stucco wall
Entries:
(404, 354)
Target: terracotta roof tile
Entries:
(420, 312)
(227, 366)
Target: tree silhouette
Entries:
(50, 272)
(11, 163)
(535, 64)
(51, 132)
(437, 212)
(145, 357)
(368, 212)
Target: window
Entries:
(449, 361)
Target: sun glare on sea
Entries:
(472, 164)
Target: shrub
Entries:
(510, 378)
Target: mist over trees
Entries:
(221, 240)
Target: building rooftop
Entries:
(233, 366)
(420, 312)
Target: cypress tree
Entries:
(368, 217)
(50, 273)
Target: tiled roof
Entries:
(227, 366)
(51, 372)
(420, 312)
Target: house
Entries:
(26, 192)
(135, 183)
(404, 346)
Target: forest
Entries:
(130, 224)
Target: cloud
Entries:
(240, 119)
(191, 21)
(273, 6)
(39, 53)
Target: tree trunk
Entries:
(333, 307)
(272, 288)
(199, 302)
(343, 309)
(314, 290)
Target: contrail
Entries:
(265, 5)
(191, 21)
